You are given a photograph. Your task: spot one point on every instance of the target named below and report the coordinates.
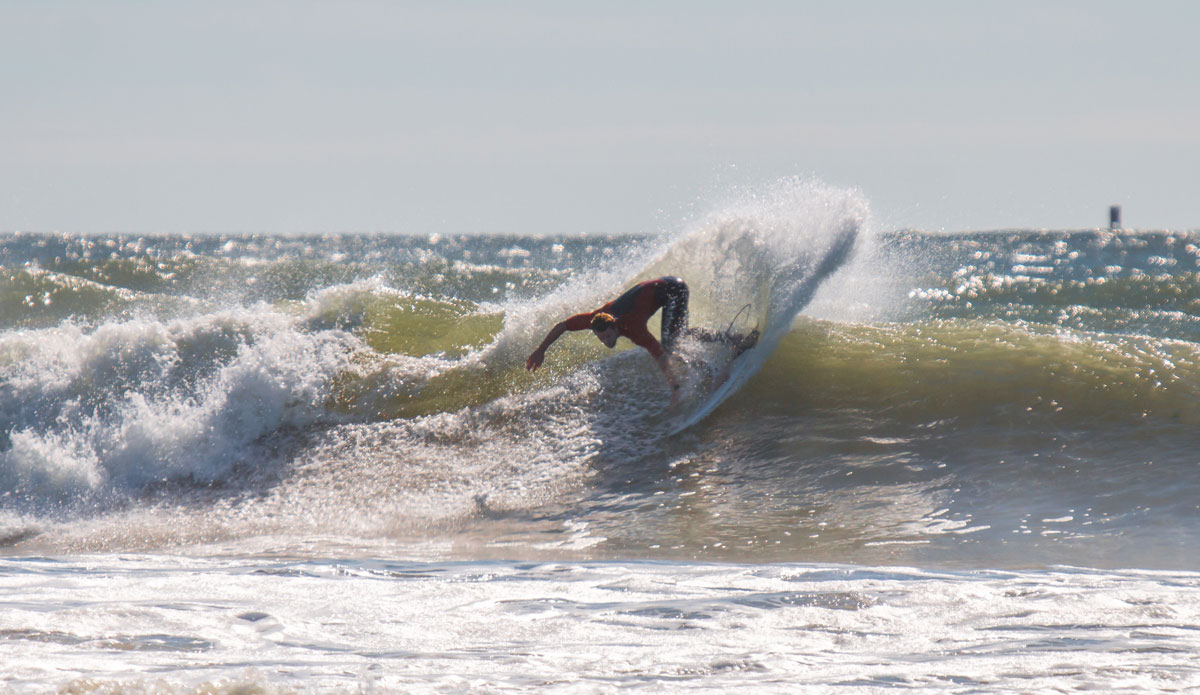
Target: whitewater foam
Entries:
(222, 625)
(91, 414)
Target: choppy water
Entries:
(318, 462)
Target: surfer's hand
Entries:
(535, 360)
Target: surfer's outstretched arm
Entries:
(535, 359)
(575, 323)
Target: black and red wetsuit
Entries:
(635, 307)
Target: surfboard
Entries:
(722, 371)
(774, 324)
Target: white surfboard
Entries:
(740, 368)
(729, 379)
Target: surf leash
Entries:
(738, 315)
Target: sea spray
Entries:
(759, 248)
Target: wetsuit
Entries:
(635, 307)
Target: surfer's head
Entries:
(605, 328)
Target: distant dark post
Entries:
(1114, 217)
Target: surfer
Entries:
(627, 316)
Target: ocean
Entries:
(954, 462)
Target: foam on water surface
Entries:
(152, 624)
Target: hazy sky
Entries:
(565, 117)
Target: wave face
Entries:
(1006, 399)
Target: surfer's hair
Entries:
(602, 321)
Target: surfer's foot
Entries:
(747, 341)
(704, 335)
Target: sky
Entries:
(591, 117)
